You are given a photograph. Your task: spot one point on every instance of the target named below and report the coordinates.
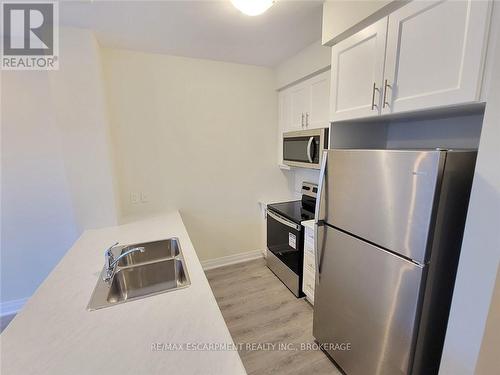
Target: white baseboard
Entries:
(231, 259)
(12, 307)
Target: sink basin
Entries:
(160, 268)
(153, 251)
(152, 278)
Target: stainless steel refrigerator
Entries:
(389, 227)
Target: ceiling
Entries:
(202, 29)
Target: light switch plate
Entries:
(134, 198)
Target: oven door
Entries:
(285, 250)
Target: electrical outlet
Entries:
(134, 198)
(144, 197)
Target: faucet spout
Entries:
(111, 261)
(141, 249)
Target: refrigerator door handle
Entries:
(320, 216)
(319, 232)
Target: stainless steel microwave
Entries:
(304, 148)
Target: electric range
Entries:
(285, 237)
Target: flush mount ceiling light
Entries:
(253, 7)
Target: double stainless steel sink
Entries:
(159, 268)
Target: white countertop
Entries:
(55, 334)
(308, 223)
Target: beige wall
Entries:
(199, 136)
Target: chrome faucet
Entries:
(111, 262)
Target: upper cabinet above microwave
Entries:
(306, 104)
(425, 55)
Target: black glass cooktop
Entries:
(293, 210)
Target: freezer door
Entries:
(384, 196)
(366, 298)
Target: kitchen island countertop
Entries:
(178, 332)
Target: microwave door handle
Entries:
(319, 217)
(309, 144)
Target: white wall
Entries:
(299, 175)
(38, 222)
(199, 136)
(342, 18)
(56, 170)
(311, 59)
(451, 131)
(480, 254)
(371, 135)
(489, 360)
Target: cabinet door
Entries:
(300, 97)
(284, 117)
(319, 88)
(357, 73)
(285, 109)
(434, 54)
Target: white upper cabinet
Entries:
(425, 55)
(300, 105)
(303, 106)
(306, 104)
(285, 109)
(284, 119)
(357, 73)
(319, 97)
(435, 53)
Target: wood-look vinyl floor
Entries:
(259, 309)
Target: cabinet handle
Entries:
(307, 119)
(386, 85)
(373, 95)
(302, 121)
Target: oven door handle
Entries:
(284, 221)
(309, 144)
